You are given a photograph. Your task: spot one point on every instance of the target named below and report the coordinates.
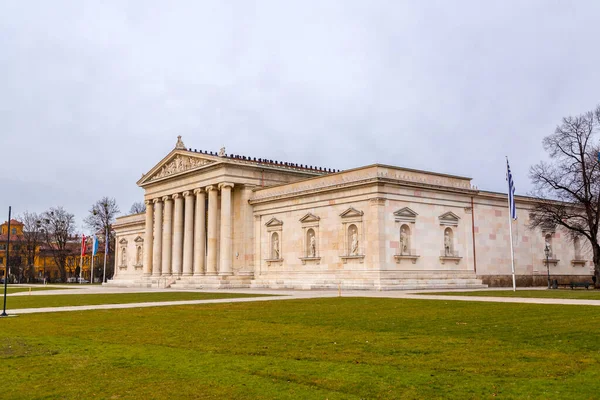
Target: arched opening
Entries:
(139, 256)
(353, 240)
(311, 243)
(275, 253)
(404, 240)
(577, 247)
(448, 242)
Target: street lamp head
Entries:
(547, 251)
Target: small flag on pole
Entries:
(83, 245)
(95, 246)
(511, 192)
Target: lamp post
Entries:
(547, 253)
(6, 265)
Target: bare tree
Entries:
(32, 238)
(569, 185)
(100, 220)
(137, 208)
(58, 228)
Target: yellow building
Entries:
(44, 262)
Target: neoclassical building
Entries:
(222, 220)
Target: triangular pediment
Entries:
(405, 213)
(177, 162)
(351, 212)
(273, 222)
(123, 241)
(449, 218)
(139, 239)
(310, 218)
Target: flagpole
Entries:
(93, 255)
(105, 251)
(4, 314)
(512, 253)
(81, 258)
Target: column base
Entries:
(199, 273)
(225, 273)
(186, 274)
(211, 273)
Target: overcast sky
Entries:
(94, 93)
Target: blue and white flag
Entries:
(511, 192)
(95, 246)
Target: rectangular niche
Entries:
(310, 239)
(352, 225)
(274, 240)
(405, 219)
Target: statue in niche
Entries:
(447, 244)
(354, 247)
(124, 256)
(139, 255)
(403, 241)
(312, 249)
(275, 248)
(548, 245)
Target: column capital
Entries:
(157, 200)
(186, 193)
(149, 202)
(225, 184)
(199, 190)
(175, 196)
(166, 198)
(210, 188)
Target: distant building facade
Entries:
(43, 264)
(219, 220)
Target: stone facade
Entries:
(217, 220)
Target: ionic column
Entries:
(178, 235)
(226, 261)
(199, 232)
(167, 238)
(157, 245)
(211, 253)
(148, 239)
(188, 234)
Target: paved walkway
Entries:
(279, 295)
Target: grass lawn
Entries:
(588, 294)
(336, 348)
(16, 289)
(58, 300)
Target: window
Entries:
(13, 231)
(2, 260)
(2, 247)
(16, 247)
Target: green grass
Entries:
(542, 294)
(17, 302)
(17, 289)
(337, 348)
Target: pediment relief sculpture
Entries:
(351, 212)
(179, 164)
